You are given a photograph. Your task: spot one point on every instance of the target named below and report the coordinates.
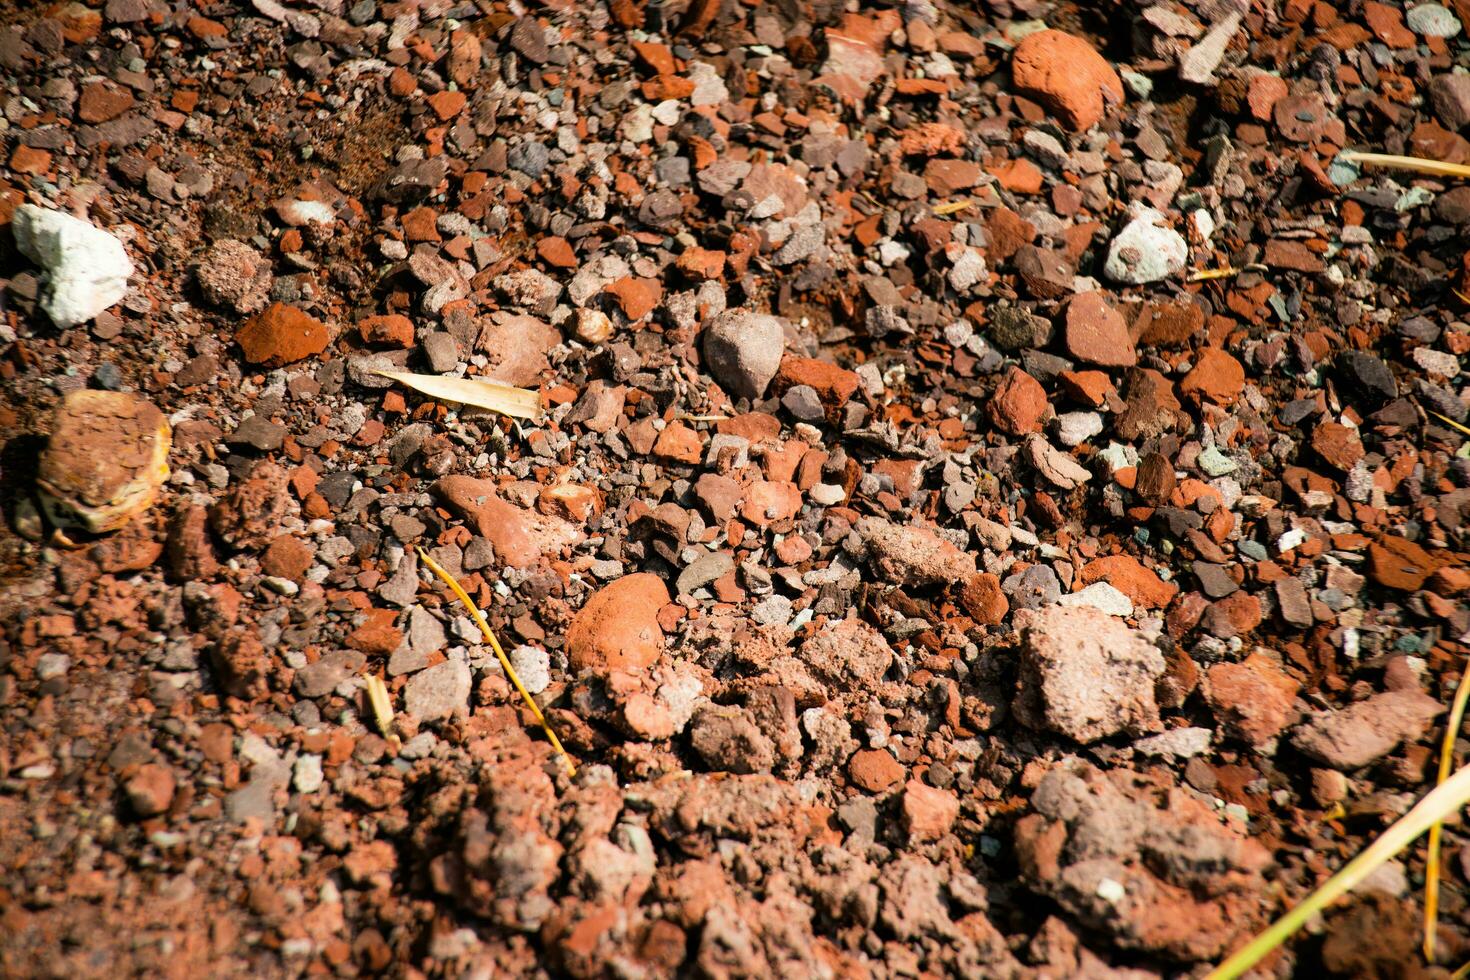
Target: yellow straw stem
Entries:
(1445, 799)
(510, 671)
(1434, 168)
(1431, 870)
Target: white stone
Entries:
(1432, 20)
(1439, 362)
(306, 775)
(1102, 597)
(1146, 250)
(533, 667)
(968, 269)
(86, 268)
(1075, 428)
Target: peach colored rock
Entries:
(618, 627)
(1096, 332)
(1253, 700)
(520, 536)
(1067, 76)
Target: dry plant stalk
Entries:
(1423, 165)
(520, 403)
(1431, 868)
(377, 695)
(479, 617)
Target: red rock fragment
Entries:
(447, 104)
(151, 789)
(391, 330)
(1338, 444)
(1067, 76)
(280, 335)
(636, 296)
(1254, 700)
(617, 628)
(1129, 576)
(556, 251)
(1216, 376)
(874, 770)
(983, 599)
(1096, 333)
(1019, 403)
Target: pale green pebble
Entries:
(1343, 172)
(1414, 197)
(1140, 85)
(1115, 457)
(1023, 29)
(1216, 463)
(1432, 20)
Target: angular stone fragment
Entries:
(1086, 674)
(1365, 731)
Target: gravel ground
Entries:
(994, 512)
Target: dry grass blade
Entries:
(1431, 871)
(953, 207)
(521, 403)
(1204, 275)
(1433, 168)
(1445, 799)
(377, 695)
(479, 617)
(1449, 421)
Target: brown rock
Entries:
(447, 104)
(617, 628)
(947, 177)
(1398, 563)
(1008, 231)
(1387, 24)
(912, 556)
(1151, 408)
(874, 770)
(1019, 403)
(556, 251)
(151, 789)
(281, 335)
(1262, 93)
(1155, 479)
(1096, 333)
(1168, 324)
(1067, 76)
(101, 101)
(519, 535)
(678, 443)
(287, 557)
(636, 296)
(1287, 253)
(251, 512)
(1216, 376)
(833, 385)
(516, 346)
(1253, 700)
(983, 599)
